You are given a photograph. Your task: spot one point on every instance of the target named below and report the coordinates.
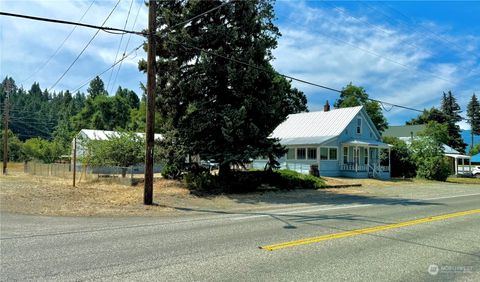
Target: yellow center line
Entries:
(356, 232)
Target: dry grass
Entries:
(367, 182)
(461, 180)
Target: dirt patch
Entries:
(27, 194)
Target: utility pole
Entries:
(151, 87)
(74, 165)
(5, 126)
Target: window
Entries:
(332, 152)
(291, 154)
(345, 155)
(301, 153)
(324, 153)
(366, 155)
(312, 153)
(359, 125)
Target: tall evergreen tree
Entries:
(214, 107)
(96, 88)
(473, 114)
(352, 96)
(452, 111)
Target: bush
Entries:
(428, 156)
(249, 181)
(401, 161)
(171, 171)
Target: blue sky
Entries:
(404, 52)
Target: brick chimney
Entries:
(326, 107)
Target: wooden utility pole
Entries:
(5, 126)
(74, 164)
(151, 87)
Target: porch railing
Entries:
(353, 167)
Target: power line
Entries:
(119, 45)
(386, 58)
(441, 38)
(102, 28)
(128, 43)
(164, 30)
(59, 47)
(83, 50)
(288, 76)
(198, 16)
(109, 68)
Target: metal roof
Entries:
(367, 143)
(457, 156)
(403, 130)
(449, 150)
(314, 127)
(107, 134)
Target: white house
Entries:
(86, 135)
(342, 142)
(459, 163)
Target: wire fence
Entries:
(83, 173)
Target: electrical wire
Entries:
(287, 76)
(59, 47)
(164, 30)
(109, 68)
(102, 28)
(83, 50)
(119, 46)
(128, 44)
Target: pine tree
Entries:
(96, 88)
(452, 111)
(217, 108)
(473, 114)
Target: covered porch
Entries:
(364, 158)
(459, 164)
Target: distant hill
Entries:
(467, 138)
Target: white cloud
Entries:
(329, 47)
(26, 45)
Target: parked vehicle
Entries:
(476, 171)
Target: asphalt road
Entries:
(207, 245)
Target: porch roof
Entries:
(458, 156)
(370, 143)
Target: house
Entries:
(342, 142)
(404, 132)
(86, 135)
(458, 163)
(79, 147)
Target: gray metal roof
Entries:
(403, 130)
(360, 142)
(314, 127)
(93, 134)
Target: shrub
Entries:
(428, 156)
(401, 161)
(249, 181)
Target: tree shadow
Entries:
(320, 197)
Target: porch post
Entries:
(389, 163)
(318, 158)
(456, 166)
(378, 156)
(356, 157)
(368, 159)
